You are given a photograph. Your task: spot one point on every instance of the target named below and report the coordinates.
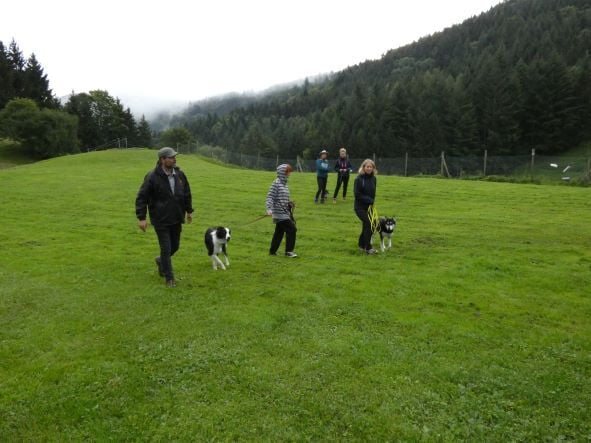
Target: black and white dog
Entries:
(216, 240)
(387, 226)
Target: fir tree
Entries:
(144, 133)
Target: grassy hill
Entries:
(474, 326)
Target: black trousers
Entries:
(169, 238)
(365, 236)
(344, 179)
(288, 228)
(321, 188)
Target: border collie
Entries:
(216, 240)
(387, 226)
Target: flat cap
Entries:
(166, 152)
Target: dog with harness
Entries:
(387, 225)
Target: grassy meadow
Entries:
(475, 326)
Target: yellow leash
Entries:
(374, 219)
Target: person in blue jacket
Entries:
(342, 167)
(321, 176)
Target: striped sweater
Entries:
(278, 196)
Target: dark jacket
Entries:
(165, 208)
(343, 166)
(365, 191)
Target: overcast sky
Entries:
(154, 52)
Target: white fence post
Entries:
(405, 164)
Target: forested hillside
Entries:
(514, 78)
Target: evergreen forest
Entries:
(513, 78)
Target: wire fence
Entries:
(533, 168)
(111, 144)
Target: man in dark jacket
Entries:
(167, 195)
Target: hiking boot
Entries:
(171, 283)
(159, 265)
(291, 254)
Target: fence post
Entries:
(444, 165)
(374, 157)
(588, 165)
(485, 158)
(533, 156)
(258, 159)
(405, 163)
(118, 143)
(277, 162)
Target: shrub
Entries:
(42, 133)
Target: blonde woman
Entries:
(343, 168)
(364, 189)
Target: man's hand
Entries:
(189, 217)
(269, 212)
(143, 224)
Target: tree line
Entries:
(513, 78)
(32, 116)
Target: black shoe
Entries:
(272, 253)
(159, 265)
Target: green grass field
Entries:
(475, 326)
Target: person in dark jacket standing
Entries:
(321, 176)
(365, 194)
(167, 196)
(280, 207)
(343, 168)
